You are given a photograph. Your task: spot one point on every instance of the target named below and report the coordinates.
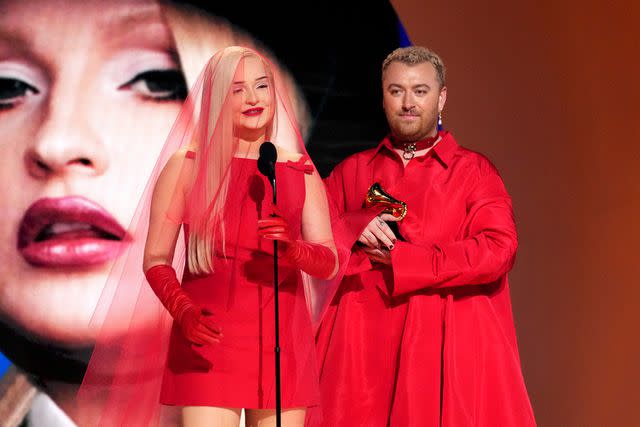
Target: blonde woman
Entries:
(220, 355)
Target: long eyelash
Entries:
(15, 89)
(175, 74)
(18, 85)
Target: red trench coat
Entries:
(429, 340)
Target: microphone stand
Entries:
(277, 316)
(267, 167)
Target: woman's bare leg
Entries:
(209, 416)
(293, 417)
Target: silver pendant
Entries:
(409, 151)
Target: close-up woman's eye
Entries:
(237, 89)
(262, 86)
(13, 91)
(162, 85)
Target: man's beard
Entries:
(413, 133)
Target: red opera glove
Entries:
(312, 258)
(195, 322)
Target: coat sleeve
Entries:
(348, 224)
(486, 252)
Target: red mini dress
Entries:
(239, 293)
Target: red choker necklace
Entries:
(410, 148)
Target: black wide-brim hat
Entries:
(334, 50)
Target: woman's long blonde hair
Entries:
(215, 145)
(197, 35)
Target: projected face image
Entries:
(88, 93)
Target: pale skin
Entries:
(199, 416)
(250, 91)
(412, 100)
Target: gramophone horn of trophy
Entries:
(376, 196)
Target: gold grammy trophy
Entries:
(376, 196)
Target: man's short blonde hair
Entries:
(414, 55)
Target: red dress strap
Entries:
(301, 165)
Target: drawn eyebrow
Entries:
(16, 40)
(239, 82)
(140, 24)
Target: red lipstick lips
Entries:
(253, 111)
(69, 232)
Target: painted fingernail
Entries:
(390, 247)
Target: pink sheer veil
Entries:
(123, 379)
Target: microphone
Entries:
(267, 160)
(267, 164)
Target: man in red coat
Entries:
(420, 330)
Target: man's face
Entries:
(412, 99)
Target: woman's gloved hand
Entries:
(312, 258)
(196, 323)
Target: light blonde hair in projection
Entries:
(215, 145)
